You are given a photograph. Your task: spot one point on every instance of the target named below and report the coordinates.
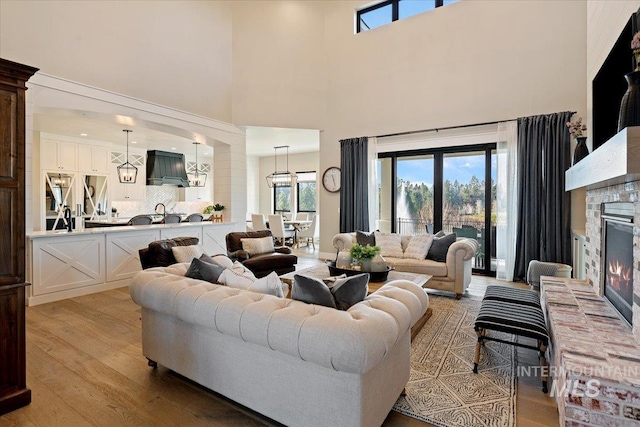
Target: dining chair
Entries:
(257, 222)
(195, 217)
(311, 233)
(276, 225)
(140, 220)
(302, 216)
(171, 219)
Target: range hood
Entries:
(164, 167)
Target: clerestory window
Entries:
(392, 10)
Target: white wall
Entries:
(173, 53)
(253, 184)
(279, 75)
(468, 62)
(302, 162)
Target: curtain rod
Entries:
(449, 127)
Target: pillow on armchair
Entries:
(258, 246)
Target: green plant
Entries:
(218, 207)
(359, 252)
(208, 210)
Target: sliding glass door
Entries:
(441, 189)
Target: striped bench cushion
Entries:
(512, 318)
(514, 295)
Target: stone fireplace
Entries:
(612, 196)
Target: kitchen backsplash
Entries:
(167, 194)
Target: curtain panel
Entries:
(544, 207)
(507, 199)
(354, 178)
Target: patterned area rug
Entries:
(442, 389)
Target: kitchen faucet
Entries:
(164, 209)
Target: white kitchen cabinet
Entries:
(93, 159)
(59, 155)
(128, 192)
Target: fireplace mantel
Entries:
(615, 162)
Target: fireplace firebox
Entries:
(617, 257)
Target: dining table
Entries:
(296, 224)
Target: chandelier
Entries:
(127, 173)
(197, 178)
(281, 178)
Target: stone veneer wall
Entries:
(627, 192)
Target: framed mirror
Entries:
(58, 195)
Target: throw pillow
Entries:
(204, 271)
(269, 284)
(312, 291)
(390, 244)
(365, 238)
(187, 253)
(350, 290)
(257, 246)
(440, 246)
(222, 260)
(345, 291)
(418, 246)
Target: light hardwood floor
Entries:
(85, 368)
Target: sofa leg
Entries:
(403, 392)
(458, 296)
(152, 363)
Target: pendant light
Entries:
(127, 173)
(197, 178)
(281, 178)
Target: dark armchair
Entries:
(281, 260)
(159, 253)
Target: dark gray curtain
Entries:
(354, 192)
(544, 207)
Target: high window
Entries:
(306, 189)
(392, 10)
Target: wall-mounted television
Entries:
(609, 85)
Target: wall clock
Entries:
(331, 179)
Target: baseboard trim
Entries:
(86, 290)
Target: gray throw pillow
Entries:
(364, 238)
(350, 290)
(312, 291)
(440, 233)
(440, 246)
(202, 270)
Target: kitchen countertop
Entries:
(120, 228)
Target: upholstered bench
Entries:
(512, 311)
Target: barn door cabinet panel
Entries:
(13, 373)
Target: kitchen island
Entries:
(64, 264)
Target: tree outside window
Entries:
(306, 188)
(282, 199)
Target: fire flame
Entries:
(622, 271)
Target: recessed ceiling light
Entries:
(173, 148)
(83, 134)
(134, 142)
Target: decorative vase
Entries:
(581, 150)
(630, 104)
(378, 263)
(365, 264)
(344, 259)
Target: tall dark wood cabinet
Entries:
(13, 371)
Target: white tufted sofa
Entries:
(454, 275)
(297, 363)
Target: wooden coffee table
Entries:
(322, 272)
